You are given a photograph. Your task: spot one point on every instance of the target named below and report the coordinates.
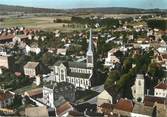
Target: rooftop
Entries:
(36, 112)
(5, 95)
(125, 105)
(161, 85)
(32, 65)
(150, 100)
(66, 106)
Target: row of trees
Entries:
(124, 78)
(160, 24)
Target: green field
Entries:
(11, 22)
(44, 23)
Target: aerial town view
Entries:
(83, 58)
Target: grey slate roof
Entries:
(77, 64)
(79, 75)
(71, 64)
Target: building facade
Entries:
(31, 69)
(6, 99)
(138, 87)
(52, 93)
(161, 90)
(5, 61)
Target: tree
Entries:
(127, 64)
(112, 77)
(156, 71)
(48, 59)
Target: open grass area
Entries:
(26, 88)
(44, 23)
(82, 96)
(11, 22)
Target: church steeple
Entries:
(89, 54)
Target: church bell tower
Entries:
(89, 54)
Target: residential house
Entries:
(6, 38)
(19, 38)
(64, 109)
(36, 112)
(160, 90)
(123, 107)
(38, 92)
(111, 59)
(109, 95)
(151, 100)
(32, 69)
(61, 51)
(6, 99)
(6, 61)
(52, 92)
(33, 48)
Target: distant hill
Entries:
(113, 10)
(10, 8)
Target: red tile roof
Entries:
(125, 105)
(64, 108)
(150, 100)
(161, 85)
(6, 37)
(5, 95)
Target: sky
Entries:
(67, 4)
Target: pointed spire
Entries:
(90, 42)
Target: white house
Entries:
(162, 49)
(104, 97)
(62, 51)
(111, 59)
(138, 87)
(31, 69)
(160, 90)
(33, 49)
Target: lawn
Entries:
(82, 96)
(44, 23)
(26, 88)
(11, 22)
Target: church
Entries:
(77, 73)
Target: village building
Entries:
(61, 51)
(52, 93)
(160, 90)
(33, 48)
(32, 69)
(64, 109)
(111, 59)
(6, 61)
(77, 73)
(6, 99)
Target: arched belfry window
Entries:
(62, 74)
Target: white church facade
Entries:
(77, 73)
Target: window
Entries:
(62, 75)
(139, 83)
(89, 59)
